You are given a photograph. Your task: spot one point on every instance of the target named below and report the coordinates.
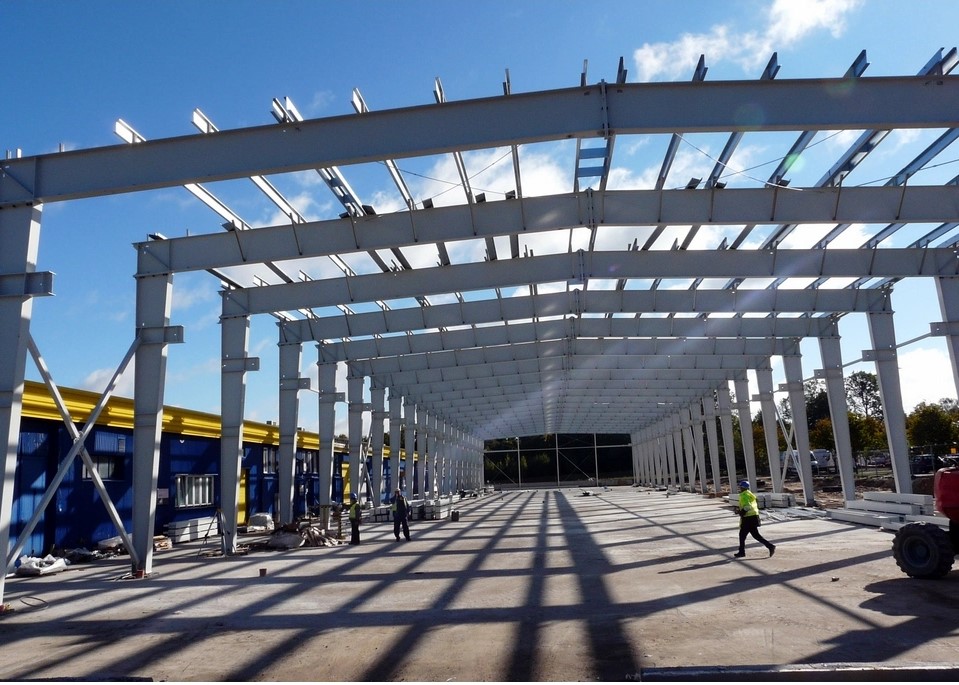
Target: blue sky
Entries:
(72, 69)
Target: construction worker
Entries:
(401, 513)
(748, 511)
(355, 518)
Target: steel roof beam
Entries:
(615, 379)
(912, 204)
(709, 264)
(866, 143)
(558, 304)
(512, 333)
(587, 365)
(578, 347)
(401, 351)
(813, 104)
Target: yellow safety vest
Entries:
(355, 511)
(748, 504)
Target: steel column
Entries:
(19, 242)
(396, 432)
(326, 426)
(947, 290)
(831, 352)
(409, 420)
(744, 408)
(289, 415)
(377, 415)
(354, 394)
(729, 445)
(235, 339)
(712, 438)
(764, 380)
(883, 335)
(153, 312)
(792, 364)
(696, 416)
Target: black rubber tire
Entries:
(923, 550)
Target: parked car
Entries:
(822, 460)
(925, 463)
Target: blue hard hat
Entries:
(352, 495)
(744, 484)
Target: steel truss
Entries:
(645, 340)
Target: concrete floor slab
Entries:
(532, 585)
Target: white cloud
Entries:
(321, 102)
(786, 23)
(925, 374)
(97, 380)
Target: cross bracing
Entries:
(612, 309)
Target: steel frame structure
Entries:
(597, 345)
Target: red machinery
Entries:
(926, 550)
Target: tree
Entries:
(817, 401)
(862, 394)
(866, 433)
(930, 424)
(821, 436)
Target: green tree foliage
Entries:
(820, 435)
(817, 402)
(866, 433)
(862, 394)
(930, 424)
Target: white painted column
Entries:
(726, 427)
(290, 355)
(712, 438)
(378, 416)
(699, 447)
(396, 432)
(883, 334)
(947, 289)
(19, 242)
(669, 438)
(326, 427)
(423, 448)
(792, 364)
(686, 483)
(354, 395)
(831, 353)
(764, 379)
(235, 334)
(744, 409)
(409, 445)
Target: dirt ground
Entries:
(828, 493)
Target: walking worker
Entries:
(401, 513)
(355, 518)
(748, 511)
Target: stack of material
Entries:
(260, 523)
(317, 537)
(161, 542)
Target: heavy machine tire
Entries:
(923, 550)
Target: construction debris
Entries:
(260, 523)
(292, 535)
(36, 566)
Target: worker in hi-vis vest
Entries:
(748, 511)
(401, 514)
